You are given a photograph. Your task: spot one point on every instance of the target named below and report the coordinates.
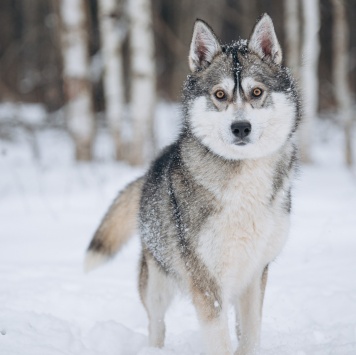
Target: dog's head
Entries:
(240, 101)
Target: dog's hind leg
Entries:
(156, 293)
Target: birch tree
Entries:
(340, 73)
(143, 81)
(291, 26)
(309, 74)
(112, 35)
(77, 85)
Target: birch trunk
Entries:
(77, 85)
(112, 36)
(143, 81)
(309, 74)
(340, 73)
(291, 26)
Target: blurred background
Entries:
(115, 67)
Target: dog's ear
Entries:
(264, 42)
(204, 46)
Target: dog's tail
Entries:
(117, 226)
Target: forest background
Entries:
(87, 66)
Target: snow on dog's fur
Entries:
(213, 209)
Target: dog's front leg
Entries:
(212, 315)
(249, 309)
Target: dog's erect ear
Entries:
(204, 46)
(264, 42)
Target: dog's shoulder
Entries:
(161, 164)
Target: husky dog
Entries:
(213, 210)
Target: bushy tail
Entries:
(117, 226)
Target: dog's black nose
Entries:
(241, 129)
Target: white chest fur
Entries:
(248, 231)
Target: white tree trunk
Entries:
(309, 74)
(340, 73)
(77, 85)
(112, 36)
(143, 81)
(292, 30)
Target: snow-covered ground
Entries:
(50, 208)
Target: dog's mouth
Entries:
(241, 142)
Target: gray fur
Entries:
(187, 192)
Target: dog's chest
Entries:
(237, 239)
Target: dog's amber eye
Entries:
(257, 92)
(220, 94)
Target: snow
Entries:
(50, 208)
(28, 114)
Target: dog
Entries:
(213, 209)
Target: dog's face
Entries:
(241, 102)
